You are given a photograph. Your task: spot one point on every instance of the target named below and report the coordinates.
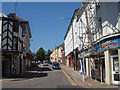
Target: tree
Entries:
(40, 55)
(48, 54)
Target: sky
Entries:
(47, 29)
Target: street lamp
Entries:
(62, 18)
(72, 39)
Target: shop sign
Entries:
(109, 44)
(63, 52)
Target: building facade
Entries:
(13, 62)
(57, 55)
(92, 39)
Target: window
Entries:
(15, 43)
(114, 52)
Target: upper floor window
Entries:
(15, 40)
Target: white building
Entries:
(103, 21)
(52, 57)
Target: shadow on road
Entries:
(45, 69)
(33, 72)
(45, 65)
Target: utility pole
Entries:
(90, 39)
(15, 6)
(89, 31)
(73, 41)
(0, 6)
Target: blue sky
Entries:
(47, 28)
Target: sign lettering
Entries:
(109, 44)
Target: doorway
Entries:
(115, 70)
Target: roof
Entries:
(13, 16)
(79, 12)
(71, 23)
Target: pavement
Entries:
(88, 83)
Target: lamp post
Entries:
(73, 41)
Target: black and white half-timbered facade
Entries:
(15, 37)
(11, 46)
(26, 55)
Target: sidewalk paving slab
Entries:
(88, 83)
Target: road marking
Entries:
(69, 78)
(72, 82)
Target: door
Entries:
(70, 62)
(115, 70)
(20, 65)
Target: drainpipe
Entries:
(119, 43)
(83, 69)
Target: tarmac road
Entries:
(44, 77)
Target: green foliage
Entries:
(41, 54)
(48, 54)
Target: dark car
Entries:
(50, 62)
(56, 65)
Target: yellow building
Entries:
(57, 54)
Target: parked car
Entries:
(56, 65)
(50, 62)
(45, 63)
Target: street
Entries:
(44, 77)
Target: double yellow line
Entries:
(71, 81)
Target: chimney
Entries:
(12, 15)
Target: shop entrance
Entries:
(70, 64)
(115, 70)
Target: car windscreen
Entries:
(55, 63)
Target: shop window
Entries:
(115, 64)
(97, 67)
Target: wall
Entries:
(60, 54)
(68, 42)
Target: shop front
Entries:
(106, 61)
(98, 69)
(10, 64)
